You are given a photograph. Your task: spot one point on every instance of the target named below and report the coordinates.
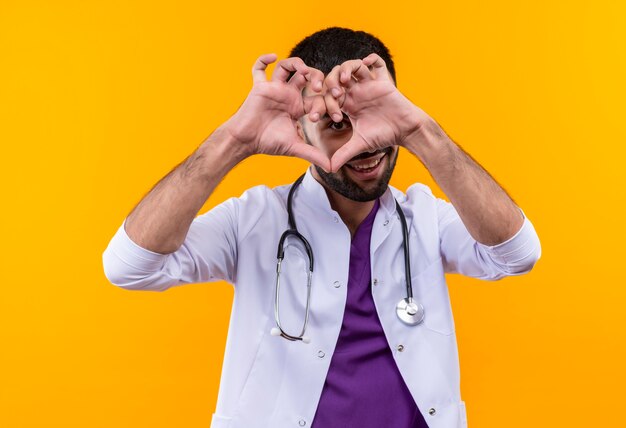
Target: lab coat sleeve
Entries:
(463, 254)
(207, 254)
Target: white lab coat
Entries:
(268, 381)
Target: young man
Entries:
(348, 346)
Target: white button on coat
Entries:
(268, 381)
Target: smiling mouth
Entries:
(366, 162)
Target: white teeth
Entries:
(367, 166)
(359, 165)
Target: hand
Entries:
(266, 121)
(381, 116)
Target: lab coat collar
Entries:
(318, 199)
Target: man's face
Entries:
(366, 176)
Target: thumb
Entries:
(310, 153)
(353, 147)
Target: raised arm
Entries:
(160, 223)
(262, 125)
(381, 116)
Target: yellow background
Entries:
(99, 100)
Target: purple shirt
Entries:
(364, 388)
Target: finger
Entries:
(378, 66)
(299, 81)
(332, 107)
(353, 71)
(316, 80)
(353, 147)
(310, 153)
(315, 107)
(285, 67)
(332, 82)
(259, 67)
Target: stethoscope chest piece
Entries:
(409, 311)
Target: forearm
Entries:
(161, 220)
(487, 211)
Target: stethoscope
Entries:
(408, 310)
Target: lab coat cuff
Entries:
(134, 255)
(518, 248)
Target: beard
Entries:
(341, 182)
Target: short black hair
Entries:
(332, 46)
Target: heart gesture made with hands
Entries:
(381, 115)
(363, 89)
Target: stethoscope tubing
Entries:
(409, 311)
(405, 247)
